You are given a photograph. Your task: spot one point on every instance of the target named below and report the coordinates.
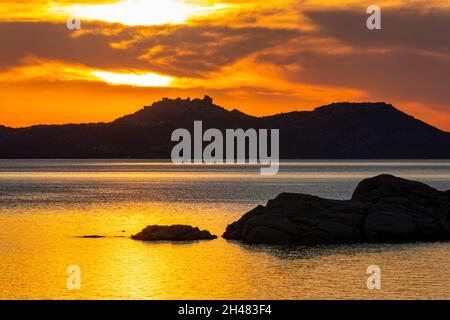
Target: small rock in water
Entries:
(173, 233)
(91, 236)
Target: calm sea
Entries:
(45, 204)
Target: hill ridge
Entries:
(343, 130)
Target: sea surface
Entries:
(46, 204)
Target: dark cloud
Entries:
(398, 74)
(401, 27)
(408, 60)
(181, 50)
(53, 41)
(191, 50)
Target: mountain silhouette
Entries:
(336, 131)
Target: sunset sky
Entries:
(261, 57)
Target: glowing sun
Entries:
(140, 12)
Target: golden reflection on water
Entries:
(38, 241)
(36, 248)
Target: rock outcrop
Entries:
(383, 208)
(173, 233)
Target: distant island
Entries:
(337, 131)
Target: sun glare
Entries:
(138, 80)
(140, 12)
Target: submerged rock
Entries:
(383, 208)
(173, 233)
(94, 236)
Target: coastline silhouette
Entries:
(336, 131)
